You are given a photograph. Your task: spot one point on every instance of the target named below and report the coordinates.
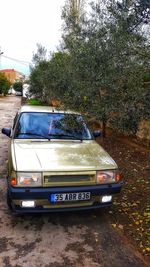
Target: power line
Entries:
(17, 60)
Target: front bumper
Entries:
(41, 196)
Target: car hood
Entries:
(60, 156)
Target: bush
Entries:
(35, 102)
(18, 86)
(146, 77)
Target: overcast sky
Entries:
(23, 23)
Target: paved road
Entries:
(81, 239)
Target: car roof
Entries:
(47, 109)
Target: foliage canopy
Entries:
(100, 69)
(18, 86)
(4, 84)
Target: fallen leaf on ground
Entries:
(120, 226)
(114, 225)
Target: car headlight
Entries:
(25, 179)
(108, 176)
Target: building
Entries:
(13, 75)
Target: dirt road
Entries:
(80, 239)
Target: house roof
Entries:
(8, 70)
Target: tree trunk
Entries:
(103, 129)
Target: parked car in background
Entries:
(18, 93)
(55, 163)
(11, 91)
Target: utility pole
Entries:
(1, 53)
(76, 9)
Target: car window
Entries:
(51, 126)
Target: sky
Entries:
(23, 24)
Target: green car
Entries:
(55, 163)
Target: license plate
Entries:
(70, 197)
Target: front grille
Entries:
(68, 179)
(69, 205)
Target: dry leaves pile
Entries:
(131, 209)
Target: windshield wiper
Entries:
(39, 135)
(67, 135)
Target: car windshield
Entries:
(42, 125)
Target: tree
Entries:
(109, 55)
(38, 77)
(39, 56)
(51, 79)
(73, 13)
(38, 80)
(100, 70)
(4, 84)
(18, 86)
(137, 12)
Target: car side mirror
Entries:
(7, 131)
(96, 133)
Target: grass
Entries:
(35, 102)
